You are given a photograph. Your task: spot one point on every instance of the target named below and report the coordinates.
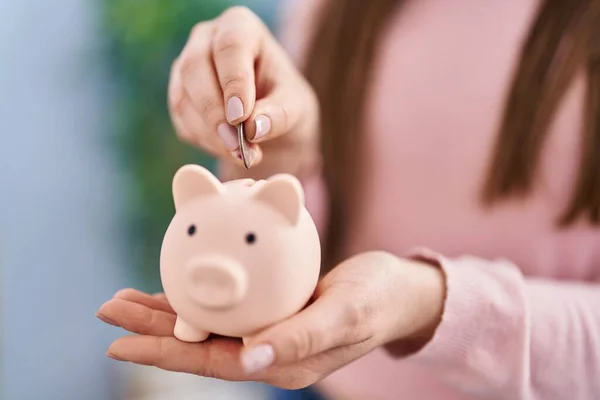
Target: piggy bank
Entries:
(237, 256)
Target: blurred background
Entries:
(86, 160)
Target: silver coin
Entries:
(243, 145)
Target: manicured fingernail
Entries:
(106, 320)
(263, 125)
(235, 109)
(228, 135)
(258, 358)
(114, 357)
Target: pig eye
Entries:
(250, 238)
(192, 230)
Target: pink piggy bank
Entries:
(237, 256)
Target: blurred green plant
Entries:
(142, 40)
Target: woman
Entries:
(450, 152)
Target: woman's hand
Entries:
(367, 301)
(233, 70)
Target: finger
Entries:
(204, 112)
(217, 358)
(235, 48)
(137, 318)
(175, 97)
(220, 141)
(159, 303)
(199, 110)
(331, 321)
(182, 132)
(274, 115)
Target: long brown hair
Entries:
(564, 39)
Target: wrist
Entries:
(433, 287)
(428, 293)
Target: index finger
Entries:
(235, 47)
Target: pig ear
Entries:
(192, 181)
(284, 193)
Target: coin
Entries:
(243, 146)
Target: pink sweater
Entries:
(522, 316)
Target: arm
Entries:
(515, 337)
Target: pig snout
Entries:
(216, 281)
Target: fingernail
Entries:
(114, 357)
(106, 320)
(263, 125)
(235, 109)
(228, 135)
(258, 358)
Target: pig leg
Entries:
(186, 333)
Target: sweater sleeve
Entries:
(509, 337)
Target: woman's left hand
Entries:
(369, 300)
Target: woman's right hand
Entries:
(233, 70)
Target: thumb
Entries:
(274, 115)
(331, 321)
